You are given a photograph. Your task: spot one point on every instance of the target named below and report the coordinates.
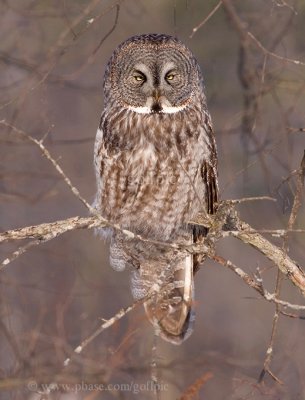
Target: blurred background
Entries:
(52, 59)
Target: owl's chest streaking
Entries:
(149, 169)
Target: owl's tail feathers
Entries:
(170, 308)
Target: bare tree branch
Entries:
(292, 219)
(288, 267)
(240, 26)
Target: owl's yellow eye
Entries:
(170, 77)
(139, 78)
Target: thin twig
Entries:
(154, 367)
(255, 284)
(257, 198)
(270, 53)
(91, 58)
(105, 325)
(117, 12)
(210, 15)
(46, 153)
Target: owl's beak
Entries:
(156, 94)
(156, 105)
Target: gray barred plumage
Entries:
(156, 169)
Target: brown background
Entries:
(54, 296)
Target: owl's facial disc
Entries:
(157, 88)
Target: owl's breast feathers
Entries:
(156, 171)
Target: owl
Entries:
(156, 169)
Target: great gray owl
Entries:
(156, 169)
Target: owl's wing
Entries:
(210, 180)
(209, 176)
(209, 168)
(103, 158)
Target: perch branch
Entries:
(237, 228)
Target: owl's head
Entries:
(152, 73)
